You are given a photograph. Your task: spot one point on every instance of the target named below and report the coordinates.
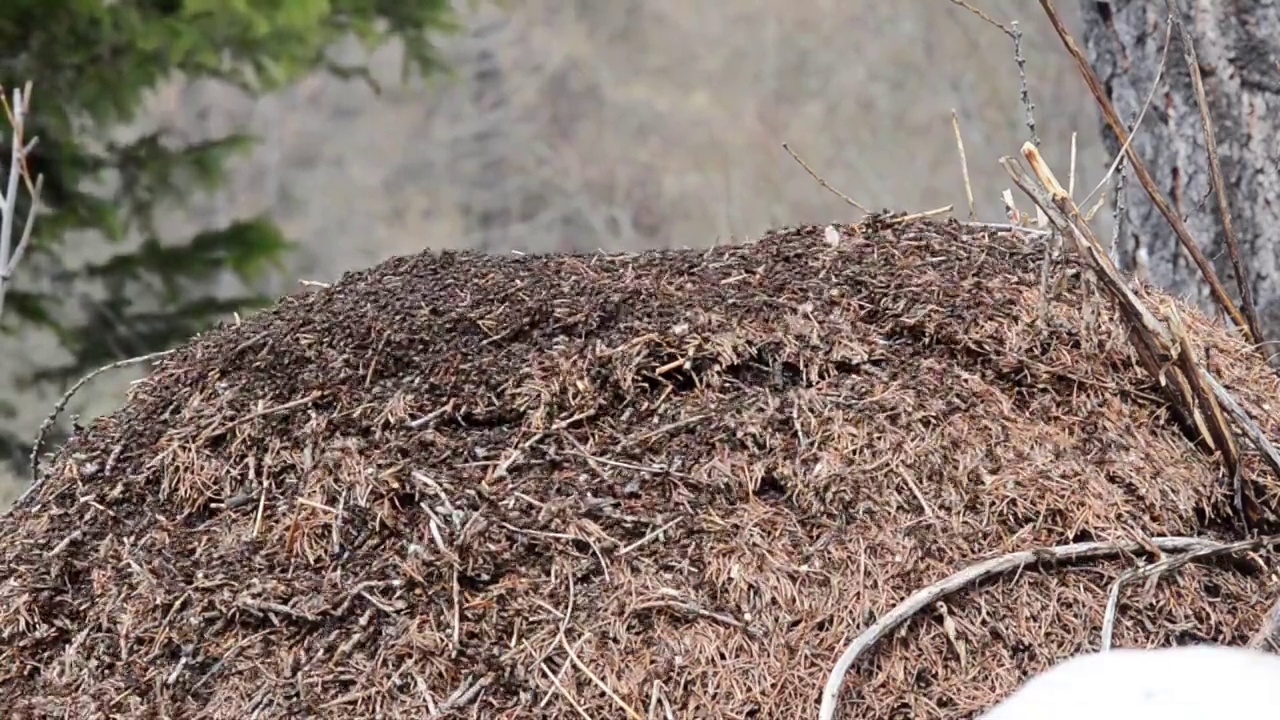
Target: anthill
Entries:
(671, 484)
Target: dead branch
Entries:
(1167, 564)
(61, 405)
(1165, 354)
(1144, 175)
(923, 598)
(821, 181)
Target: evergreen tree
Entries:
(92, 63)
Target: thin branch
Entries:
(1165, 565)
(823, 182)
(1118, 209)
(1247, 426)
(61, 405)
(16, 113)
(1006, 227)
(1144, 175)
(6, 272)
(979, 572)
(1014, 31)
(1133, 126)
(985, 17)
(1024, 93)
(912, 217)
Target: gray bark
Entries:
(1238, 48)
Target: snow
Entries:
(1183, 683)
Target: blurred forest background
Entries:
(629, 124)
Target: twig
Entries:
(1148, 334)
(1215, 175)
(282, 407)
(564, 667)
(648, 536)
(1006, 227)
(1015, 34)
(912, 217)
(985, 17)
(52, 419)
(6, 272)
(573, 657)
(555, 682)
(1165, 565)
(1024, 92)
(1163, 353)
(222, 661)
(823, 182)
(565, 618)
(1071, 169)
(266, 607)
(964, 163)
(1223, 441)
(11, 255)
(659, 696)
(1247, 426)
(461, 697)
(688, 608)
(431, 416)
(923, 598)
(1144, 175)
(1118, 160)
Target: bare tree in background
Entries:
(1238, 49)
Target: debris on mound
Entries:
(669, 484)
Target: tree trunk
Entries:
(1238, 47)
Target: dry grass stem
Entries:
(964, 165)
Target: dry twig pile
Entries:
(672, 484)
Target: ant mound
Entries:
(668, 484)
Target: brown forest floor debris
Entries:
(604, 486)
